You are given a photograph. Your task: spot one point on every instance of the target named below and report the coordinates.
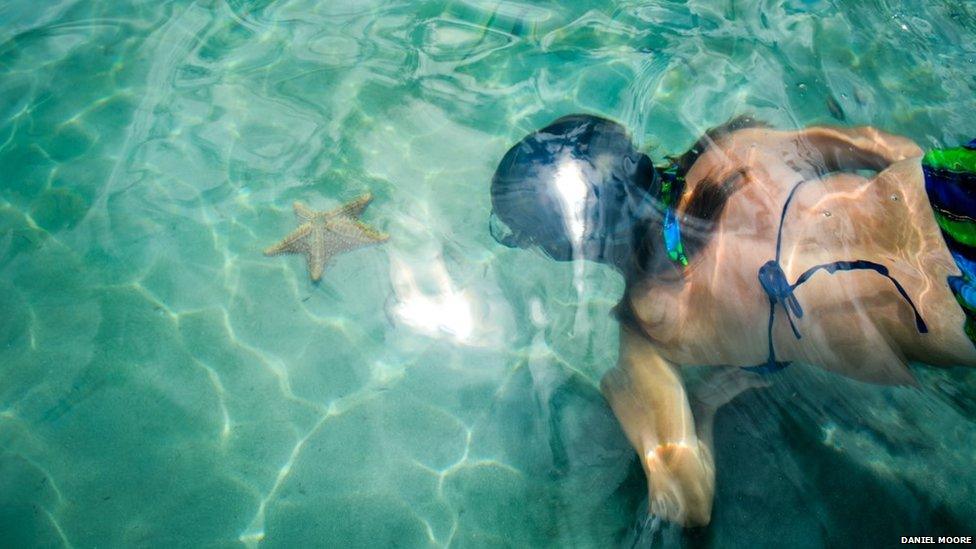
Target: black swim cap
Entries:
(577, 188)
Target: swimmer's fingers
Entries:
(664, 493)
(666, 506)
(681, 483)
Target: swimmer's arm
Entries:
(856, 148)
(649, 399)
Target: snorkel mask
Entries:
(578, 189)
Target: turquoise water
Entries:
(163, 384)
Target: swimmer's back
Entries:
(854, 323)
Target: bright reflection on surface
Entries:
(446, 312)
(572, 191)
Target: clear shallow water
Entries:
(164, 384)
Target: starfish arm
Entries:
(371, 234)
(317, 258)
(346, 234)
(294, 243)
(354, 208)
(303, 212)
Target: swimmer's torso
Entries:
(854, 323)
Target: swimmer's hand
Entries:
(648, 397)
(681, 476)
(680, 482)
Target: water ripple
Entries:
(163, 383)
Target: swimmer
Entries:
(844, 248)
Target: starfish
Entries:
(323, 235)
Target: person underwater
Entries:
(844, 248)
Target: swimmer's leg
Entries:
(648, 398)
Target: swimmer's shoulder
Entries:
(729, 148)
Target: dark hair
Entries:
(709, 196)
(684, 162)
(577, 189)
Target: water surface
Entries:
(164, 384)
